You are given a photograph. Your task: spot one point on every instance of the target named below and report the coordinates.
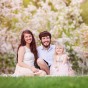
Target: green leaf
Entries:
(84, 7)
(26, 3)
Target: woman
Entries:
(27, 56)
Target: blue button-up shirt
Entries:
(46, 54)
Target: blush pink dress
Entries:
(60, 69)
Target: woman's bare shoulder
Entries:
(22, 48)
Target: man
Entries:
(45, 52)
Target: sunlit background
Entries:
(66, 20)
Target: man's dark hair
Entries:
(44, 34)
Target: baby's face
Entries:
(59, 49)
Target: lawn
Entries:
(44, 82)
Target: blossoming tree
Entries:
(62, 18)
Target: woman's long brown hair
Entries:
(32, 45)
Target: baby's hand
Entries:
(56, 66)
(57, 69)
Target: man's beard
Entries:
(46, 46)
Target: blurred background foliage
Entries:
(27, 14)
(7, 63)
(84, 7)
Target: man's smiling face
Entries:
(46, 41)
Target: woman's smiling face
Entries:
(27, 38)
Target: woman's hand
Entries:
(34, 69)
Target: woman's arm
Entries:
(21, 53)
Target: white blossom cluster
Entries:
(62, 21)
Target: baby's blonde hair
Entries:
(61, 45)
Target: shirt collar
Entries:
(48, 49)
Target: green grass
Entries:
(44, 82)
